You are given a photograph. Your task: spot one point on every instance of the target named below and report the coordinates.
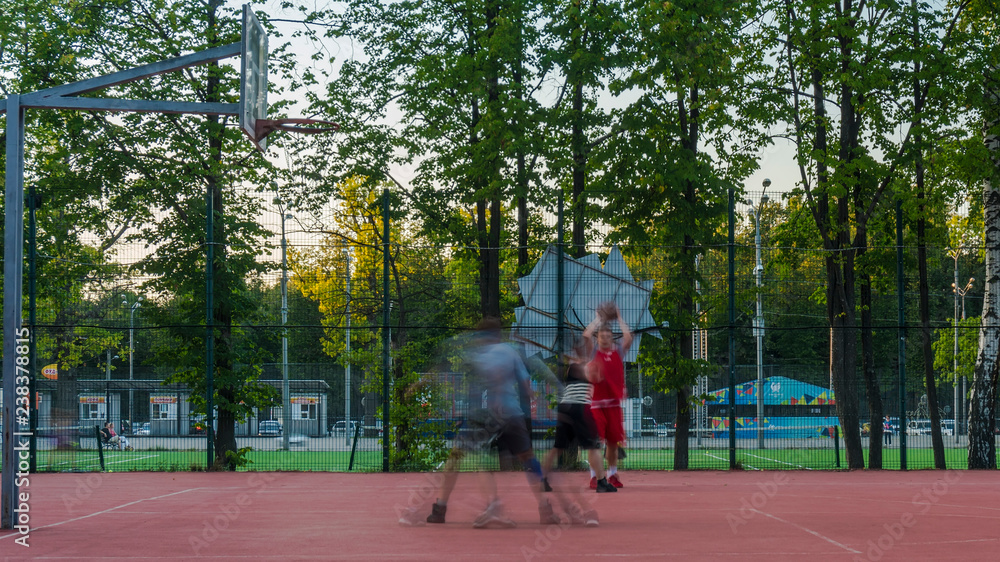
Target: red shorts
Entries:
(608, 422)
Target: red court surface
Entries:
(926, 515)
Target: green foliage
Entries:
(967, 332)
(417, 443)
(238, 458)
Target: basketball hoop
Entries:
(264, 127)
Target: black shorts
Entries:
(485, 430)
(574, 422)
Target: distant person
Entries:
(496, 371)
(574, 423)
(887, 431)
(119, 441)
(608, 373)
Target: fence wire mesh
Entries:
(120, 338)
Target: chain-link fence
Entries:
(299, 367)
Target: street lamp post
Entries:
(286, 409)
(959, 405)
(131, 353)
(758, 323)
(347, 366)
(107, 390)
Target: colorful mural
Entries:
(778, 391)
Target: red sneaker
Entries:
(593, 482)
(614, 481)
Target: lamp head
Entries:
(766, 183)
(763, 199)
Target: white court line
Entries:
(109, 510)
(130, 459)
(75, 461)
(810, 531)
(776, 460)
(751, 467)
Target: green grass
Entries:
(371, 461)
(154, 460)
(786, 459)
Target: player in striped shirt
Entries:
(574, 422)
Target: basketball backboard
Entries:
(253, 77)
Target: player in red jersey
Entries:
(608, 368)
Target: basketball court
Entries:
(248, 516)
(699, 515)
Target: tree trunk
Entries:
(578, 147)
(681, 450)
(689, 252)
(843, 355)
(926, 336)
(521, 180)
(487, 177)
(841, 275)
(223, 279)
(982, 401)
(873, 392)
(579, 172)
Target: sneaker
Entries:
(129, 448)
(575, 514)
(493, 517)
(437, 513)
(547, 516)
(410, 517)
(593, 482)
(590, 519)
(614, 481)
(545, 485)
(603, 486)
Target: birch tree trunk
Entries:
(982, 402)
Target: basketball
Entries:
(607, 311)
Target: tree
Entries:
(847, 57)
(415, 279)
(83, 198)
(457, 75)
(150, 179)
(662, 186)
(982, 21)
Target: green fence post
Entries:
(385, 331)
(100, 447)
(901, 300)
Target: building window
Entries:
(163, 411)
(307, 411)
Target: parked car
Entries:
(893, 426)
(372, 430)
(947, 427)
(918, 427)
(198, 426)
(341, 426)
(269, 428)
(647, 427)
(143, 429)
